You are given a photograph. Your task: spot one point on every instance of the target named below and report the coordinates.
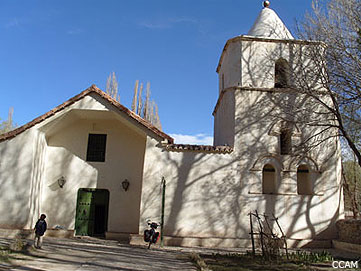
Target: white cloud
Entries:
(199, 139)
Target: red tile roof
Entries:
(200, 148)
(92, 89)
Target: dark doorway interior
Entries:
(92, 212)
(100, 223)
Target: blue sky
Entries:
(52, 50)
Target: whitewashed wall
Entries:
(16, 180)
(224, 120)
(66, 156)
(208, 197)
(32, 162)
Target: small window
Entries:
(282, 72)
(285, 142)
(96, 148)
(304, 185)
(268, 179)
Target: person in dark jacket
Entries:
(40, 228)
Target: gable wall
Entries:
(32, 162)
(67, 157)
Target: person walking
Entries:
(40, 228)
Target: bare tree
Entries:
(135, 96)
(336, 64)
(352, 186)
(144, 106)
(140, 100)
(336, 23)
(156, 118)
(112, 87)
(8, 124)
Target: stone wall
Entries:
(349, 230)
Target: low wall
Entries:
(353, 248)
(349, 231)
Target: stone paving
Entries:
(88, 255)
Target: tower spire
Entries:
(269, 25)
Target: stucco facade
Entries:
(210, 190)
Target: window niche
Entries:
(96, 148)
(282, 73)
(304, 182)
(285, 141)
(268, 179)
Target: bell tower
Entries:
(258, 61)
(271, 110)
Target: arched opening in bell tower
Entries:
(304, 183)
(282, 73)
(268, 179)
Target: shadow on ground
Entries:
(80, 254)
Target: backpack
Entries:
(147, 235)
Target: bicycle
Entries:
(151, 236)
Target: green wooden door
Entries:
(91, 217)
(84, 213)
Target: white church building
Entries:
(96, 168)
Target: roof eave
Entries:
(91, 89)
(264, 39)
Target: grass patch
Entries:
(246, 262)
(198, 261)
(4, 254)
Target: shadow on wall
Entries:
(67, 154)
(19, 180)
(218, 187)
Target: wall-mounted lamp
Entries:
(125, 184)
(61, 182)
